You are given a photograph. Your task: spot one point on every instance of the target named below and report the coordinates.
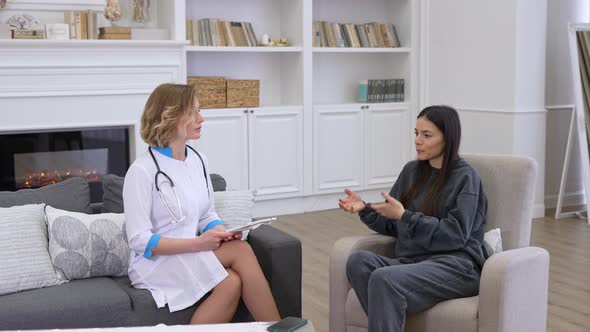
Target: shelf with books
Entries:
(288, 49)
(276, 18)
(371, 19)
(336, 78)
(362, 50)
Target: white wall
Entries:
(487, 59)
(559, 98)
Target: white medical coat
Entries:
(177, 280)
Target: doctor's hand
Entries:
(391, 209)
(233, 236)
(352, 203)
(211, 239)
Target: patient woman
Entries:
(436, 210)
(180, 249)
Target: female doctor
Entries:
(180, 249)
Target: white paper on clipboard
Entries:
(252, 225)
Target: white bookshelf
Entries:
(310, 93)
(361, 50)
(230, 49)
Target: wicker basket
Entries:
(210, 91)
(243, 93)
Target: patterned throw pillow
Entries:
(87, 245)
(24, 260)
(234, 208)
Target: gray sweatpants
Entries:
(388, 288)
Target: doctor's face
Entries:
(190, 126)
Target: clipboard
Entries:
(252, 225)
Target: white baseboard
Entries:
(539, 210)
(570, 199)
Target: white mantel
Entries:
(48, 85)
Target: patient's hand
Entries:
(352, 203)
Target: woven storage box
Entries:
(243, 93)
(210, 91)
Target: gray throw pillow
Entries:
(112, 197)
(87, 245)
(112, 187)
(72, 195)
(23, 250)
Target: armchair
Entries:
(513, 286)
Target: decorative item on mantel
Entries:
(114, 33)
(2, 3)
(141, 11)
(24, 26)
(57, 31)
(112, 11)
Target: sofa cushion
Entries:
(72, 195)
(234, 208)
(112, 187)
(87, 245)
(112, 197)
(23, 249)
(453, 315)
(96, 302)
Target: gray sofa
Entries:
(112, 301)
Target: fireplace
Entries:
(33, 160)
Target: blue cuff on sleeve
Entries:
(212, 224)
(152, 243)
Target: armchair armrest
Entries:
(339, 286)
(279, 256)
(513, 291)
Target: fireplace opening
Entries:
(34, 160)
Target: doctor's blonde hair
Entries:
(167, 104)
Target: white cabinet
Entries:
(359, 146)
(276, 151)
(337, 149)
(224, 140)
(388, 142)
(255, 148)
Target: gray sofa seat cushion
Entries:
(72, 195)
(96, 302)
(112, 187)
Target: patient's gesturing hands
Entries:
(352, 203)
(392, 208)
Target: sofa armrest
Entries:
(339, 286)
(513, 291)
(279, 256)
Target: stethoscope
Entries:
(160, 172)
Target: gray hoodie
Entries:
(457, 227)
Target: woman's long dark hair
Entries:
(446, 119)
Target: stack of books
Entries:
(82, 24)
(5, 32)
(216, 32)
(328, 34)
(114, 33)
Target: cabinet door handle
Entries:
(245, 111)
(251, 111)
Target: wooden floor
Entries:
(567, 240)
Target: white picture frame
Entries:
(57, 31)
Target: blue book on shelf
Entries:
(363, 91)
